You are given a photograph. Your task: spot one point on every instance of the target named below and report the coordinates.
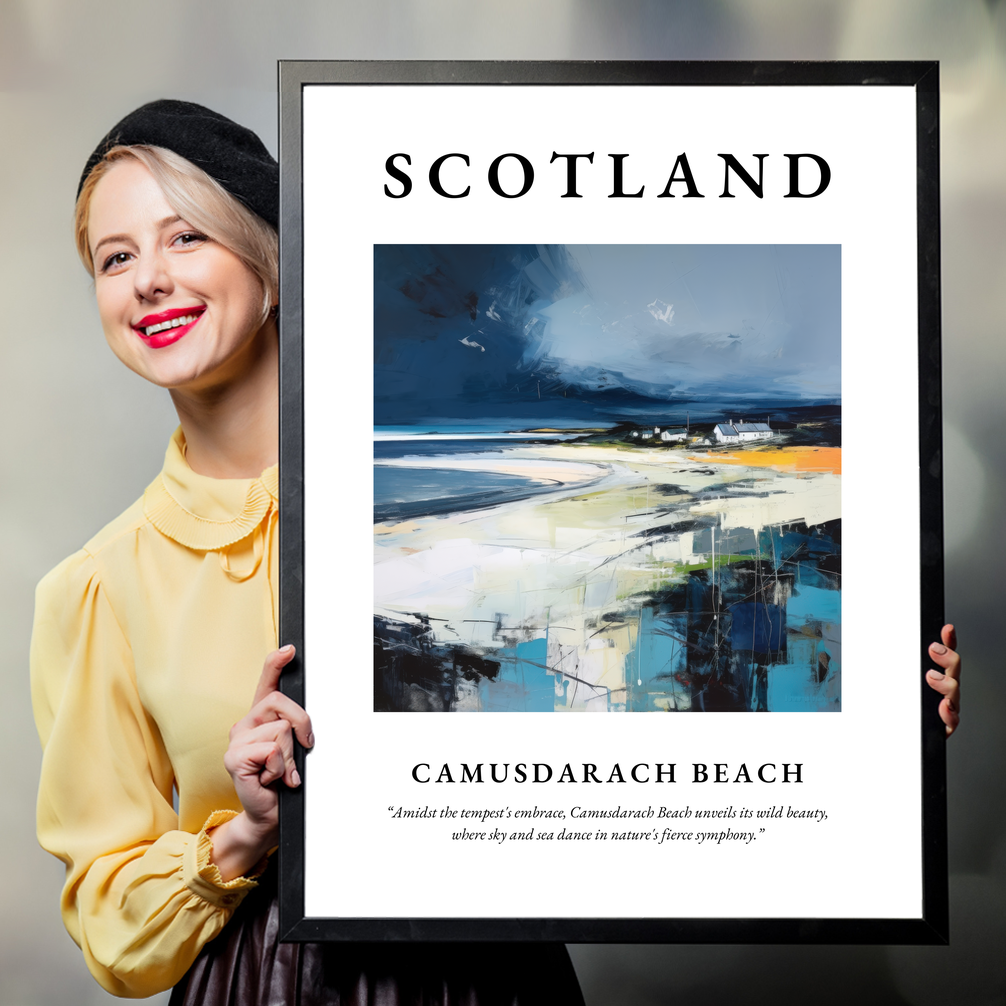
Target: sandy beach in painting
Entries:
(627, 582)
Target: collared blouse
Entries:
(147, 647)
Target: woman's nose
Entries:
(152, 277)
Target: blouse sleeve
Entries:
(141, 898)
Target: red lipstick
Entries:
(166, 327)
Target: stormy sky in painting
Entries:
(602, 333)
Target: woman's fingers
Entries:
(944, 684)
(274, 766)
(270, 703)
(261, 749)
(945, 655)
(277, 706)
(949, 636)
(948, 659)
(947, 681)
(278, 736)
(260, 761)
(271, 671)
(949, 712)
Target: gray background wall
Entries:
(81, 436)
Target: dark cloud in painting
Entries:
(602, 332)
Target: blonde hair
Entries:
(199, 200)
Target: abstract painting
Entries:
(607, 478)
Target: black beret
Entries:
(231, 154)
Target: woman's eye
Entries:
(190, 238)
(114, 261)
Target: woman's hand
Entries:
(948, 681)
(260, 753)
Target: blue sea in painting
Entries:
(401, 493)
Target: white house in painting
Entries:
(735, 433)
(667, 435)
(673, 435)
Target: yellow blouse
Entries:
(147, 647)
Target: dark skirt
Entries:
(246, 965)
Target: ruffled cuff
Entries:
(203, 878)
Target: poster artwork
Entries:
(607, 478)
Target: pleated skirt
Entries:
(246, 965)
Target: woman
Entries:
(149, 643)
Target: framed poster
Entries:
(611, 391)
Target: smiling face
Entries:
(177, 307)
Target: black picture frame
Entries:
(931, 927)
